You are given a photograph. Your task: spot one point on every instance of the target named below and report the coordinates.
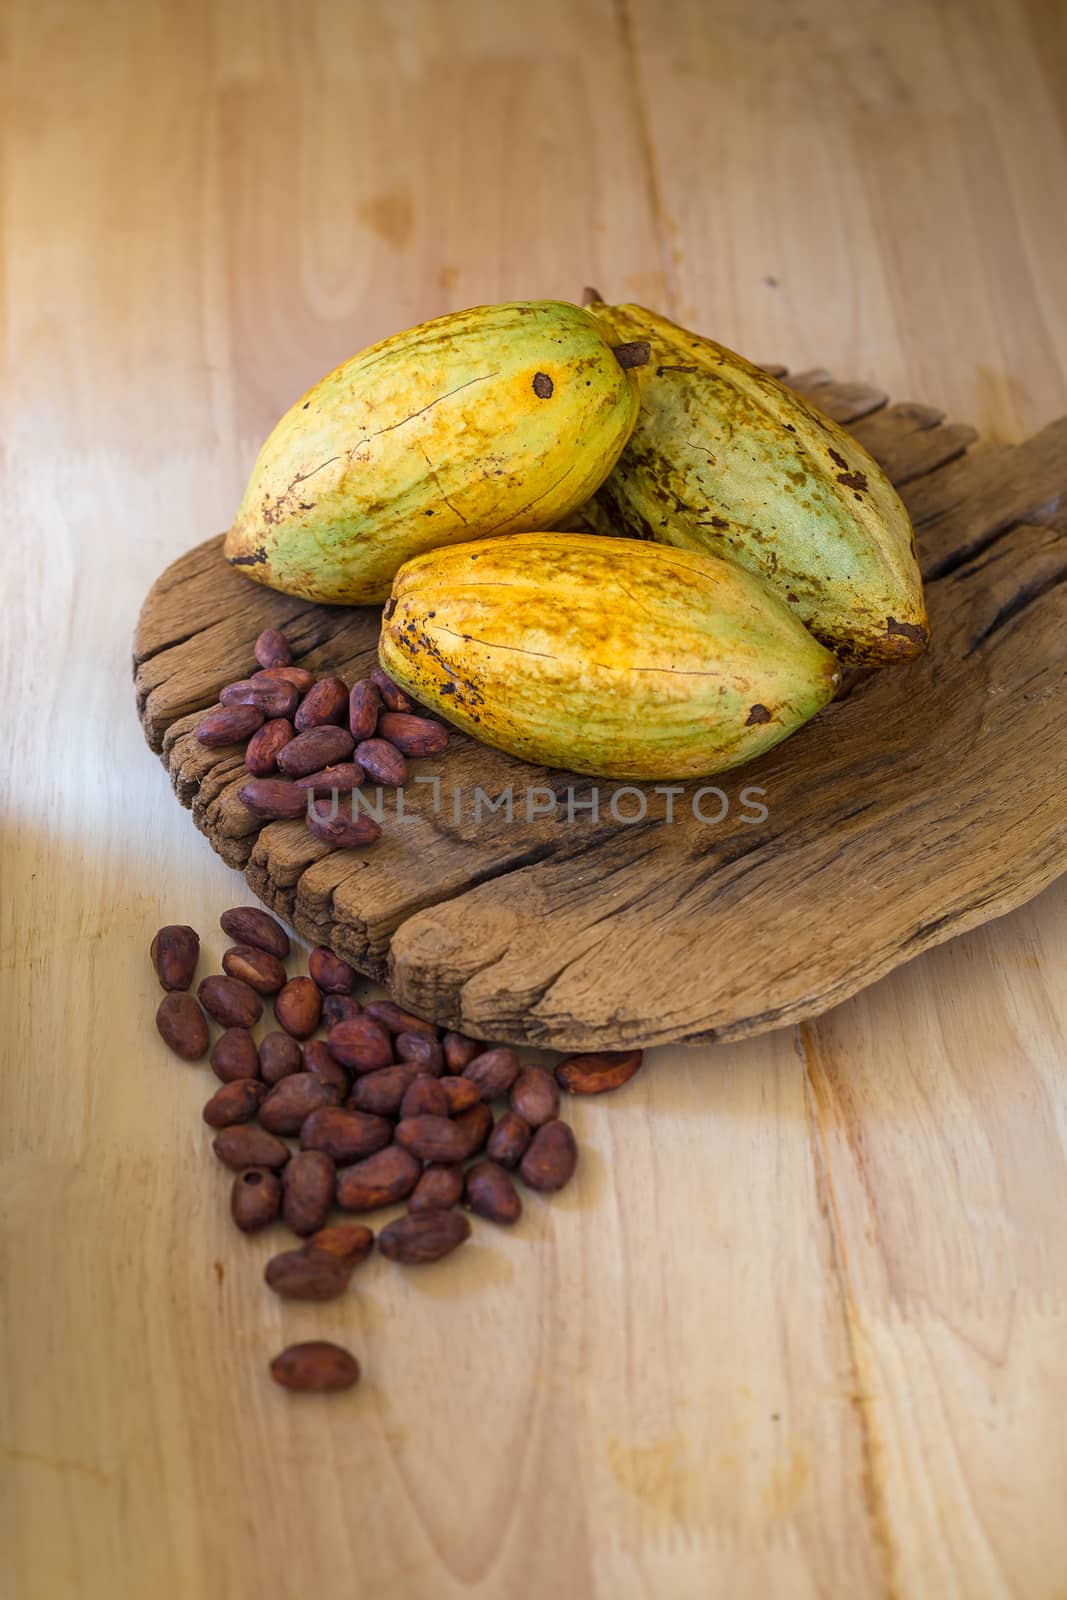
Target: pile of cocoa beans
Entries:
(349, 1106)
(315, 734)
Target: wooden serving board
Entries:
(924, 801)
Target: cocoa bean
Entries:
(307, 1274)
(494, 1071)
(300, 678)
(343, 831)
(490, 1193)
(292, 1100)
(364, 704)
(326, 702)
(381, 1092)
(413, 736)
(274, 696)
(397, 1020)
(459, 1051)
(380, 1180)
(551, 1158)
(234, 1102)
(308, 1187)
(261, 751)
(182, 1026)
(246, 1146)
(344, 777)
(424, 1097)
(234, 1056)
(319, 1060)
(332, 975)
(382, 762)
(362, 1044)
(345, 1135)
(315, 1367)
(261, 971)
(420, 1049)
(352, 1242)
(599, 1072)
(392, 694)
(460, 1094)
(255, 1199)
(228, 725)
(175, 951)
(508, 1141)
(535, 1096)
(339, 1008)
(439, 1189)
(423, 1236)
(298, 1007)
(433, 1138)
(476, 1125)
(272, 649)
(252, 925)
(232, 1003)
(318, 747)
(273, 799)
(279, 1055)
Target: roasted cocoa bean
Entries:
(551, 1158)
(298, 1007)
(255, 1199)
(175, 951)
(261, 971)
(279, 1055)
(261, 751)
(424, 1097)
(339, 1008)
(307, 1274)
(274, 696)
(392, 694)
(397, 1020)
(228, 725)
(423, 1236)
(599, 1072)
(234, 1056)
(246, 1146)
(489, 1192)
(234, 1102)
(252, 925)
(413, 736)
(381, 1092)
(326, 702)
(476, 1125)
(182, 1026)
(318, 747)
(382, 762)
(292, 1100)
(439, 1189)
(534, 1096)
(300, 678)
(362, 1044)
(380, 1180)
(460, 1094)
(344, 777)
(420, 1049)
(274, 799)
(332, 975)
(315, 1367)
(345, 1135)
(272, 649)
(308, 1187)
(319, 1060)
(352, 1242)
(494, 1071)
(459, 1051)
(343, 831)
(433, 1138)
(232, 1003)
(364, 704)
(508, 1141)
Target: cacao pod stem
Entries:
(592, 297)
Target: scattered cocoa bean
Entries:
(292, 1100)
(476, 1125)
(246, 1146)
(392, 694)
(490, 1193)
(308, 1187)
(261, 751)
(382, 762)
(175, 951)
(439, 1189)
(535, 1096)
(413, 736)
(433, 1138)
(339, 1008)
(379, 1180)
(599, 1072)
(255, 1199)
(326, 702)
(344, 831)
(183, 1026)
(459, 1051)
(298, 1007)
(460, 1094)
(332, 975)
(397, 1020)
(345, 1135)
(234, 1102)
(315, 1367)
(258, 968)
(344, 777)
(381, 1092)
(508, 1141)
(279, 1055)
(273, 799)
(316, 748)
(551, 1158)
(421, 1049)
(300, 678)
(362, 1044)
(494, 1071)
(352, 1242)
(424, 1097)
(252, 925)
(423, 1236)
(272, 649)
(364, 704)
(307, 1274)
(232, 1003)
(319, 1059)
(228, 725)
(274, 696)
(234, 1056)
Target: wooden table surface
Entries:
(800, 1328)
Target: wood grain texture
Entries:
(799, 1330)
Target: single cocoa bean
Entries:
(351, 1241)
(274, 696)
(246, 1146)
(424, 1097)
(273, 799)
(252, 925)
(300, 678)
(272, 649)
(490, 1193)
(413, 736)
(379, 1180)
(392, 694)
(476, 1125)
(234, 1056)
(342, 778)
(439, 1189)
(298, 1007)
(318, 1059)
(261, 751)
(345, 1135)
(325, 702)
(364, 704)
(228, 725)
(551, 1158)
(362, 1044)
(397, 1020)
(459, 1051)
(381, 1092)
(599, 1072)
(508, 1140)
(234, 1102)
(279, 1055)
(460, 1094)
(316, 748)
(423, 1236)
(261, 971)
(292, 1100)
(175, 951)
(339, 1008)
(307, 1275)
(182, 1026)
(232, 1003)
(343, 831)
(332, 975)
(255, 1199)
(382, 762)
(308, 1187)
(315, 1367)
(494, 1071)
(433, 1138)
(535, 1096)
(423, 1050)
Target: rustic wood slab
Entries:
(926, 800)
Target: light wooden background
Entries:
(801, 1327)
